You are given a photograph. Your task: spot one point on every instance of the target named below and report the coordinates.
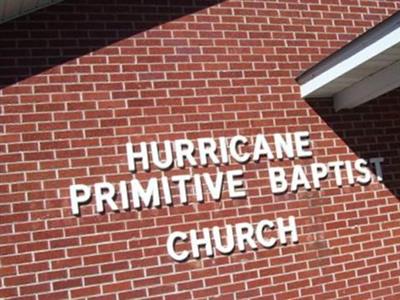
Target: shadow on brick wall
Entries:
(370, 130)
(36, 42)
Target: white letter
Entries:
(267, 243)
(215, 190)
(171, 246)
(377, 161)
(302, 141)
(234, 184)
(299, 178)
(319, 171)
(242, 236)
(184, 148)
(336, 165)
(207, 147)
(283, 145)
(349, 171)
(277, 180)
(76, 199)
(147, 196)
(181, 180)
(282, 230)
(233, 145)
(133, 156)
(166, 190)
(361, 167)
(155, 154)
(230, 242)
(123, 190)
(102, 197)
(197, 242)
(198, 188)
(223, 149)
(261, 147)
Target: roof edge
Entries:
(366, 38)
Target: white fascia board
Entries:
(23, 7)
(350, 63)
(369, 88)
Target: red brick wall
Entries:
(82, 78)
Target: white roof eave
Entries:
(361, 71)
(11, 9)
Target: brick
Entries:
(66, 284)
(74, 93)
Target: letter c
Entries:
(171, 246)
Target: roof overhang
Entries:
(364, 69)
(11, 9)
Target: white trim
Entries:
(24, 8)
(369, 88)
(367, 53)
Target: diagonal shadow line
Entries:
(49, 37)
(370, 130)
